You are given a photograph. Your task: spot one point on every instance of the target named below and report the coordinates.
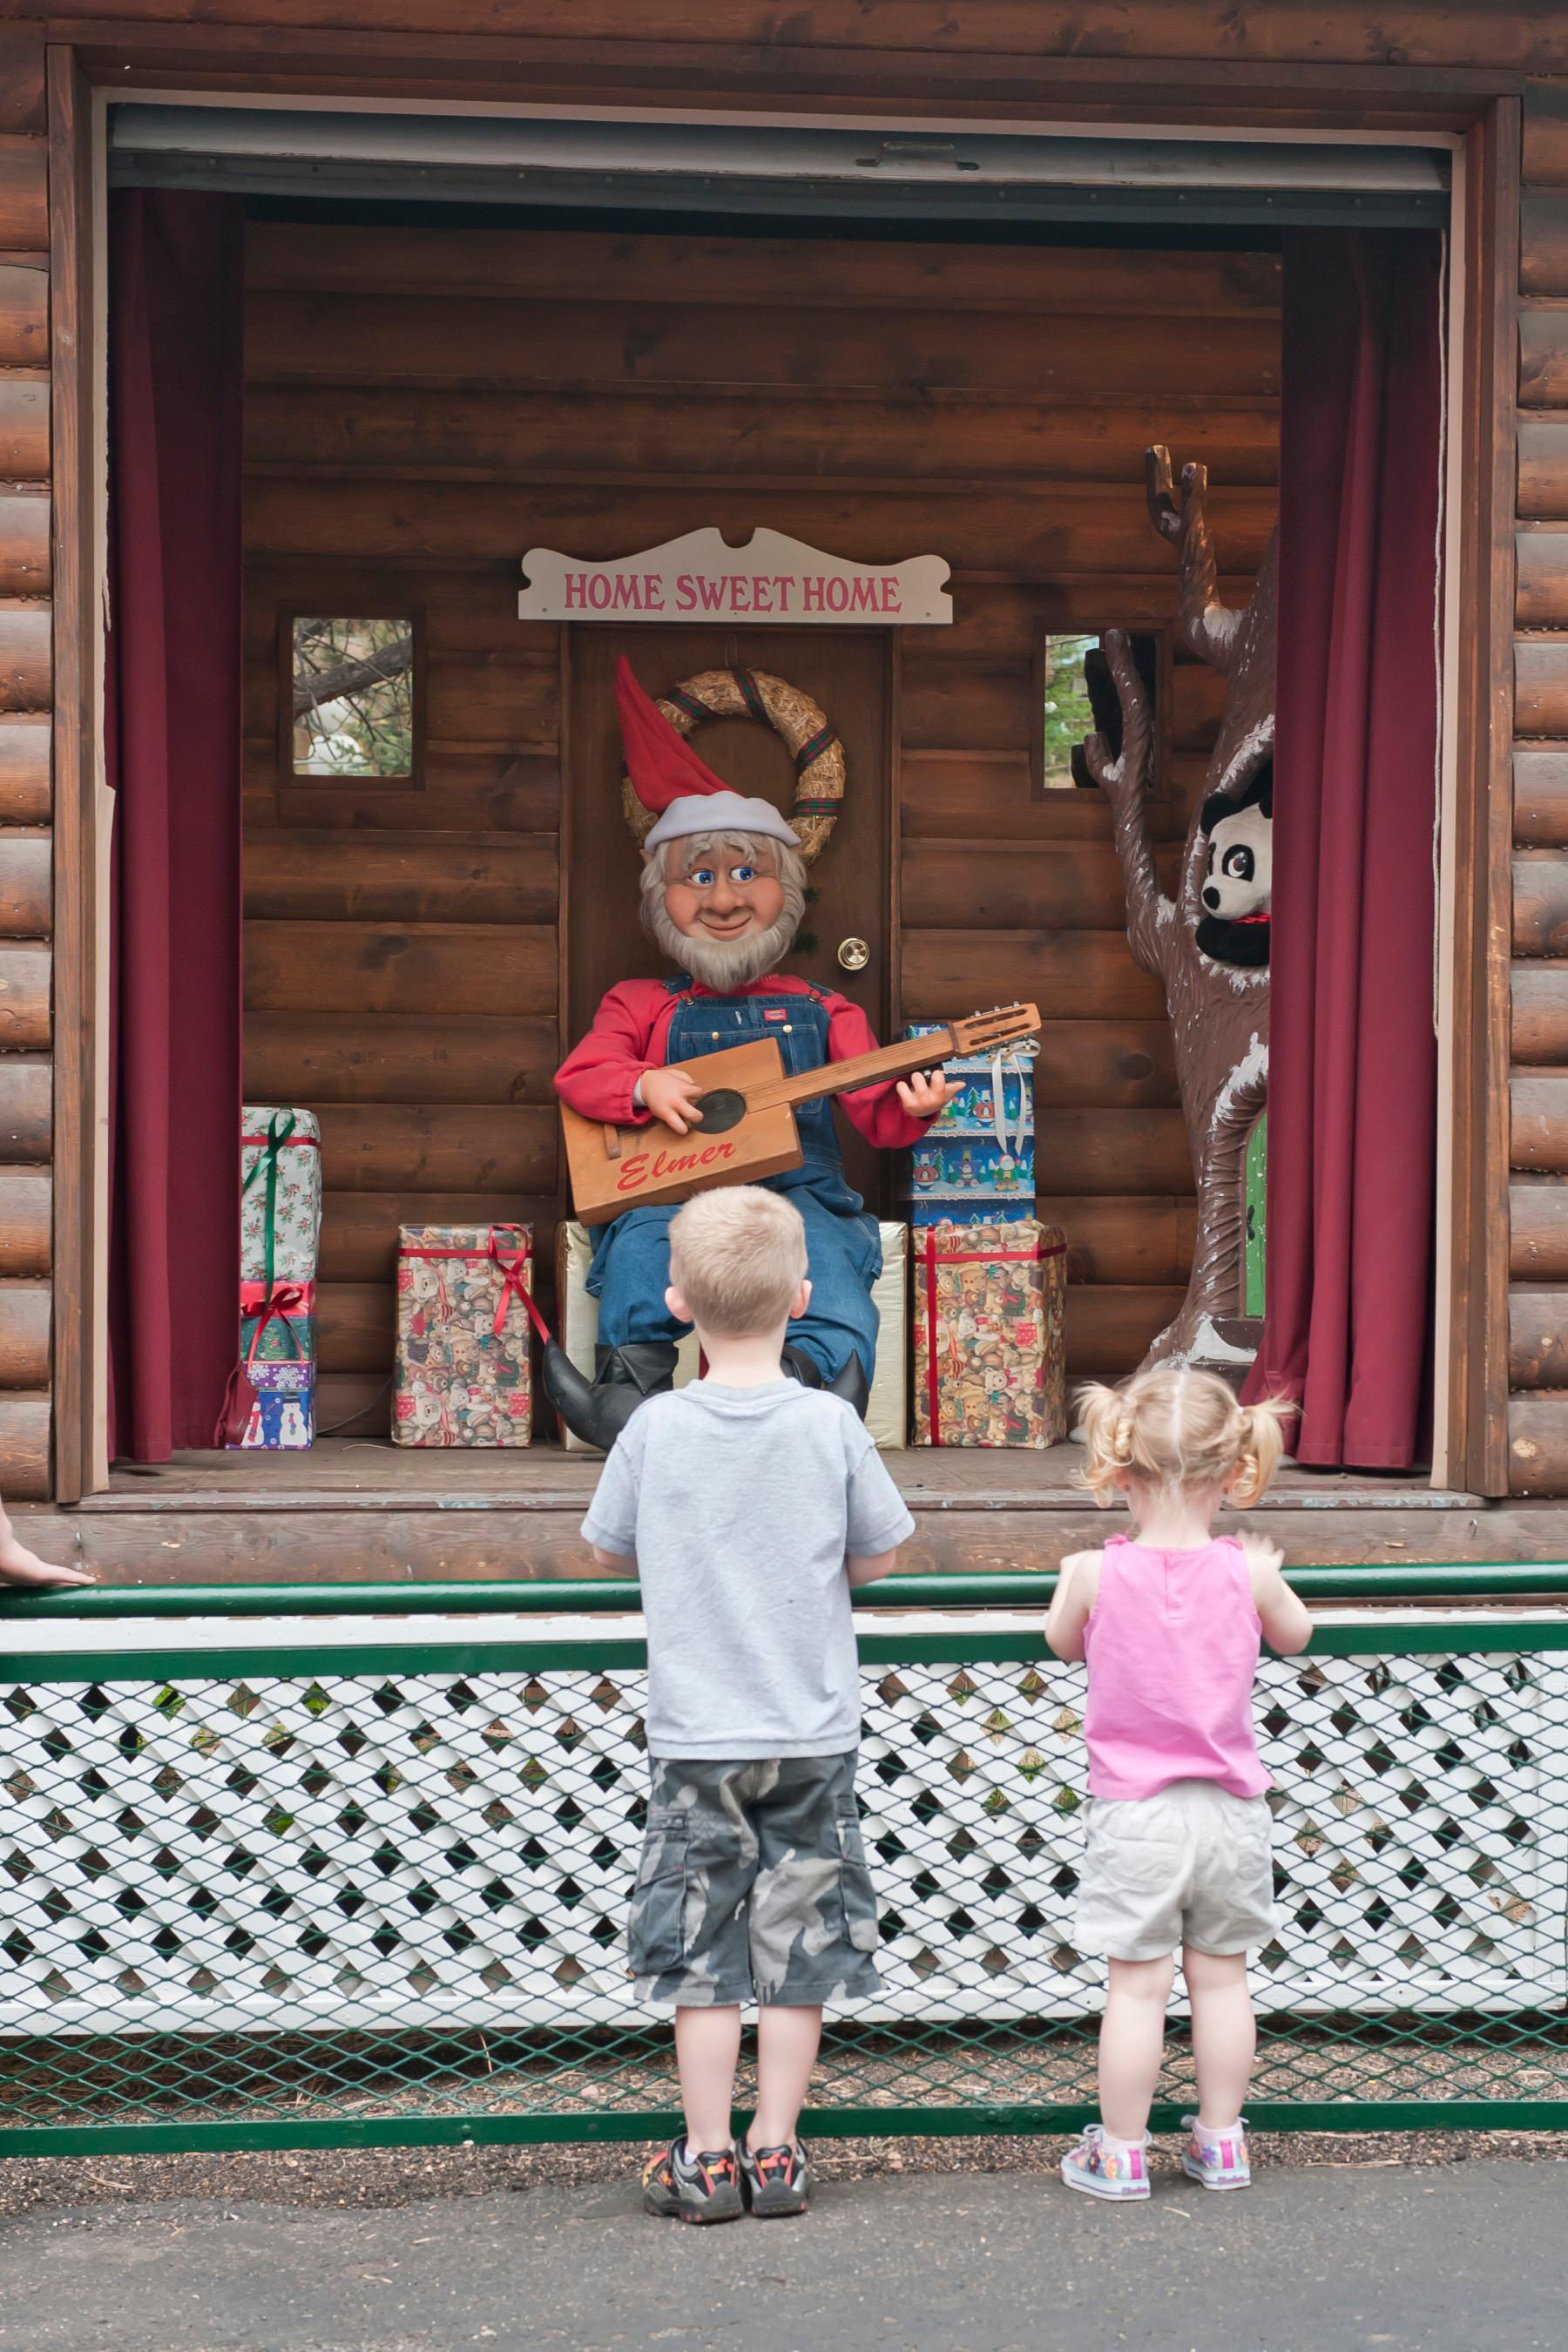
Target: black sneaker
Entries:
(777, 2180)
(682, 2187)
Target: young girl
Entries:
(1169, 1620)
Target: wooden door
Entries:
(847, 673)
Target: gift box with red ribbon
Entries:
(270, 1406)
(465, 1304)
(989, 1367)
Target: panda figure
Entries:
(1233, 926)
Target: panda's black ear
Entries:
(1217, 805)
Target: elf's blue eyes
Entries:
(743, 873)
(702, 877)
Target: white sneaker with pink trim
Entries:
(1218, 2160)
(1101, 2171)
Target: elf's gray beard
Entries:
(722, 965)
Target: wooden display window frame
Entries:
(1161, 787)
(371, 608)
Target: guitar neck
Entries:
(860, 1070)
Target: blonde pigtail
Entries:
(1107, 1433)
(1262, 1442)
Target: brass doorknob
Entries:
(854, 954)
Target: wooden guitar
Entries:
(746, 1128)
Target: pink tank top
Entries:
(1172, 1647)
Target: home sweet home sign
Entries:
(702, 578)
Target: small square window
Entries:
(352, 700)
(1076, 697)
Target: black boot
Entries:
(851, 1383)
(597, 1410)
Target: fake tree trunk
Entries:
(1219, 1012)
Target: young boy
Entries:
(752, 1505)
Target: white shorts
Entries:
(1189, 1866)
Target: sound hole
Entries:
(720, 1110)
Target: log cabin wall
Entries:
(424, 403)
(26, 840)
(1538, 1195)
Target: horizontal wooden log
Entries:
(773, 437)
(1545, 143)
(1540, 686)
(359, 1230)
(1539, 1123)
(470, 696)
(26, 1208)
(1108, 1064)
(427, 968)
(1081, 528)
(26, 658)
(1543, 467)
(1110, 1329)
(25, 1421)
(24, 999)
(24, 786)
(1543, 358)
(23, 430)
(1540, 799)
(464, 792)
(364, 338)
(1125, 1239)
(1541, 596)
(24, 315)
(354, 1327)
(1537, 1336)
(26, 1112)
(1538, 1443)
(952, 972)
(23, 543)
(1540, 999)
(1011, 886)
(24, 1336)
(23, 196)
(1544, 241)
(1537, 1229)
(26, 885)
(967, 796)
(332, 876)
(1113, 1151)
(1539, 904)
(437, 1148)
(869, 274)
(317, 1057)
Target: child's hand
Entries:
(23, 1567)
(1263, 1554)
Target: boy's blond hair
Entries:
(737, 1255)
(1173, 1428)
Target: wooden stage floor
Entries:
(361, 1509)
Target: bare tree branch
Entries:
(353, 677)
(1208, 628)
(1124, 781)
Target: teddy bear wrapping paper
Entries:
(989, 1363)
(462, 1366)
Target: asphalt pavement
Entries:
(1471, 2257)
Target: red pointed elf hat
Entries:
(669, 778)
(662, 765)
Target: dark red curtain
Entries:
(1353, 1058)
(172, 691)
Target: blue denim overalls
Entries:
(631, 1254)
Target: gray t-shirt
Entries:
(740, 1506)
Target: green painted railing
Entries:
(366, 1879)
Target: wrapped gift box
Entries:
(976, 1164)
(463, 1372)
(886, 1411)
(278, 1327)
(282, 1418)
(989, 1367)
(279, 1195)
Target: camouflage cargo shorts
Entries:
(753, 1885)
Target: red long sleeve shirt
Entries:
(631, 1032)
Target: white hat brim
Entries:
(719, 813)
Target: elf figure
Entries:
(723, 890)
